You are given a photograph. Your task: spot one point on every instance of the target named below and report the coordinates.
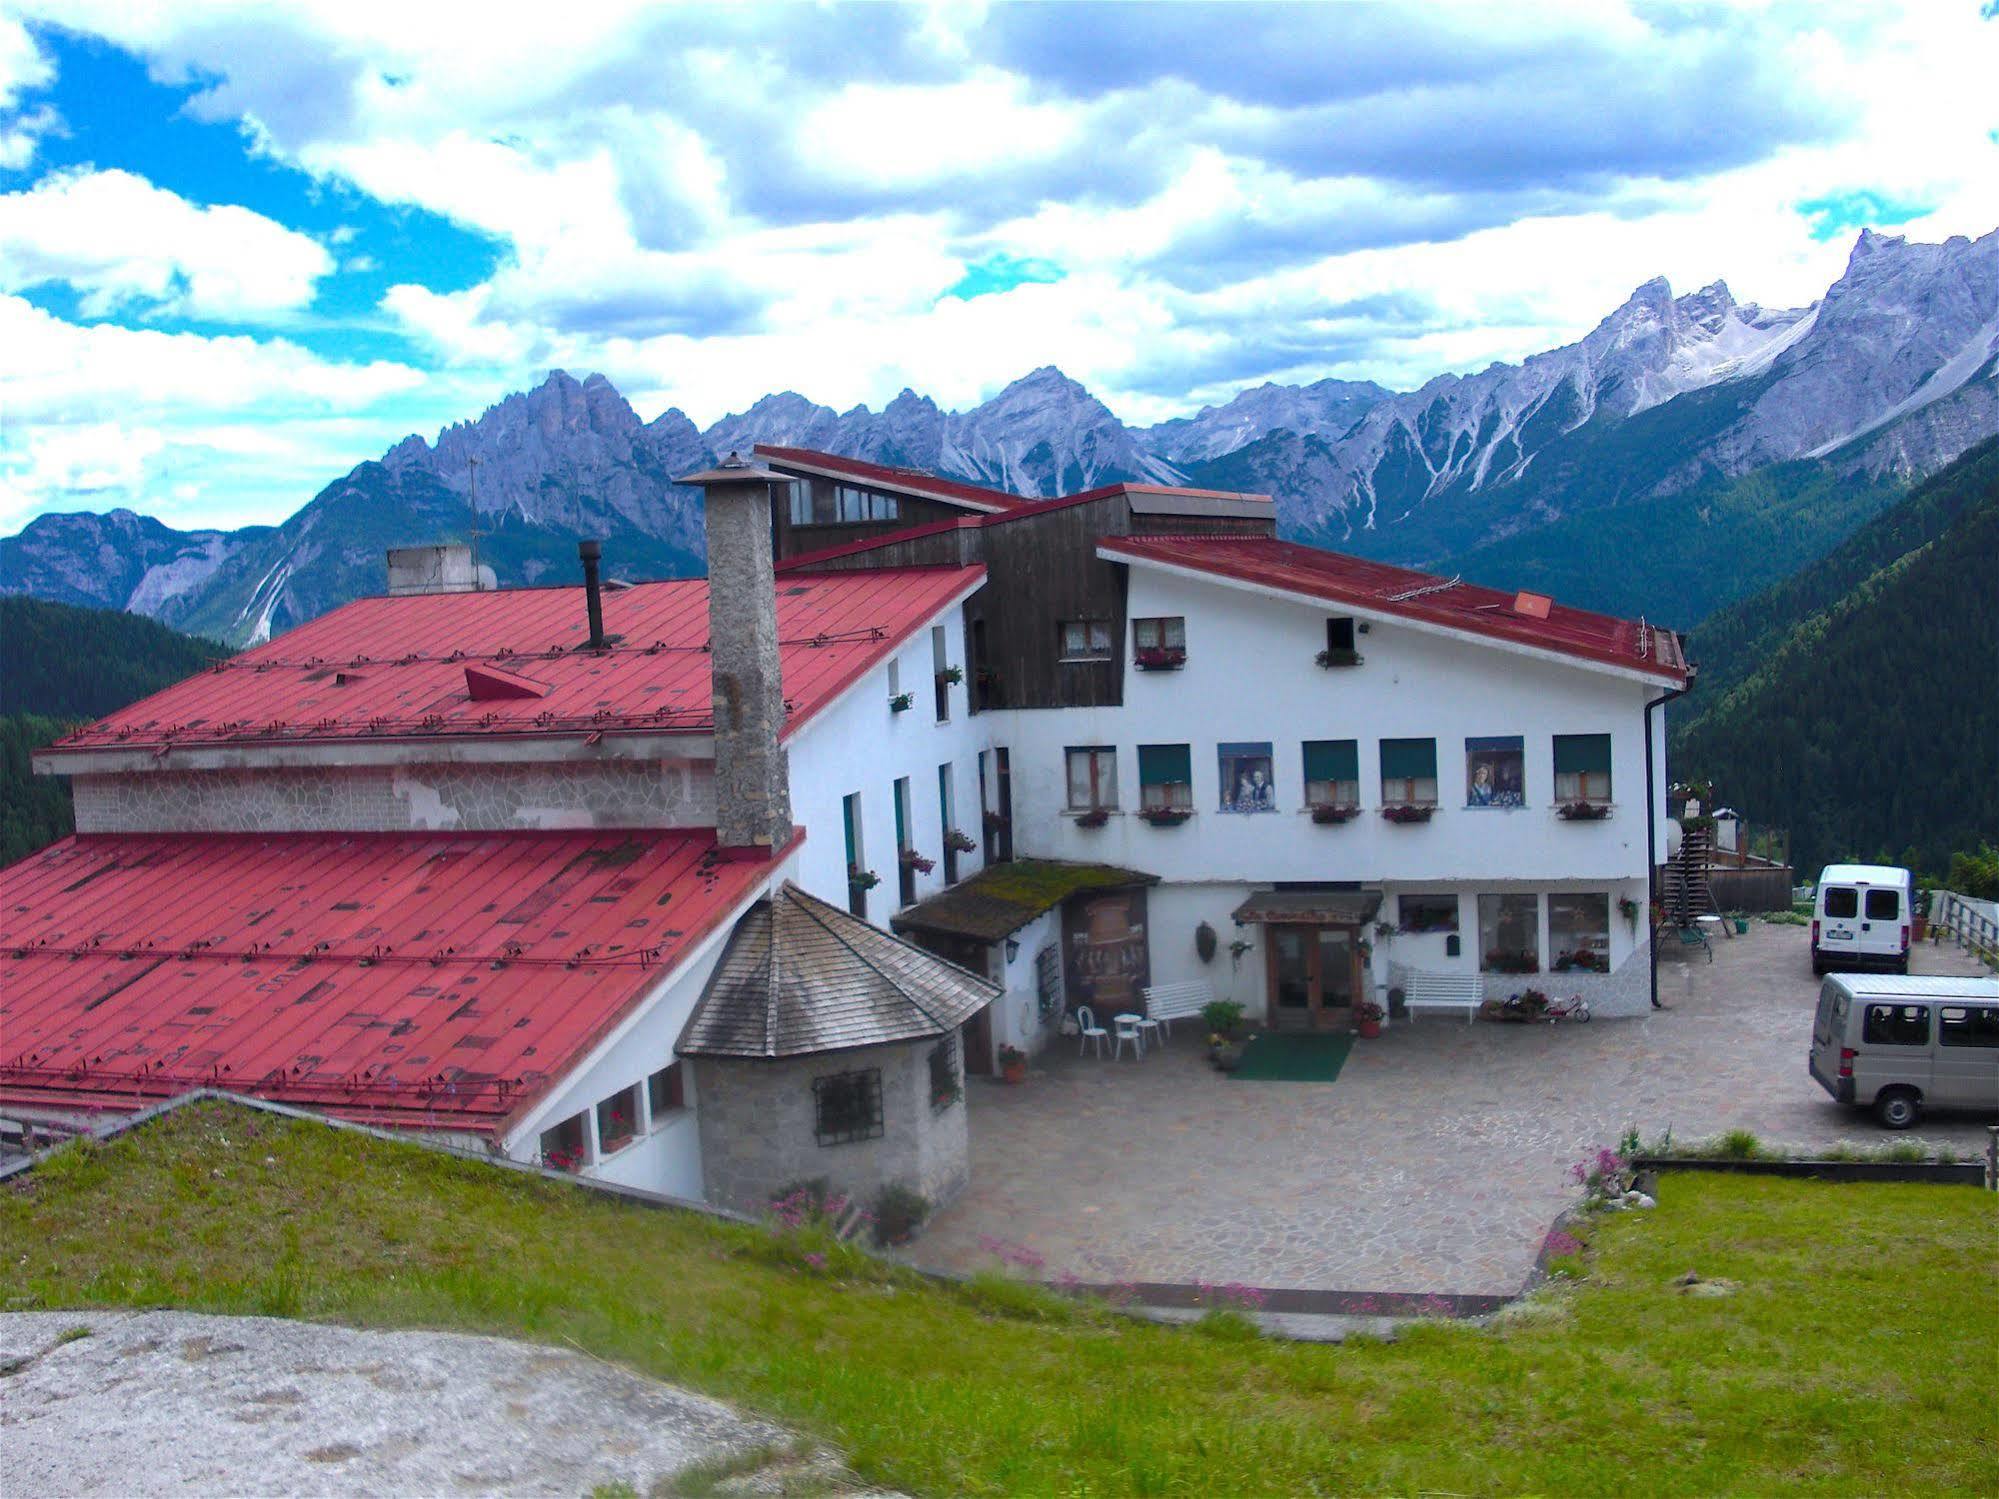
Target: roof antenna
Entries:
(472, 490)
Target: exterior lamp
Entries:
(1012, 948)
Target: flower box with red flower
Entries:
(959, 841)
(862, 879)
(1326, 813)
(1096, 817)
(1165, 817)
(1408, 812)
(993, 821)
(911, 859)
(1160, 657)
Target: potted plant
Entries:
(1013, 1065)
(993, 822)
(959, 841)
(1159, 658)
(951, 675)
(861, 879)
(902, 702)
(1367, 1017)
(1165, 817)
(911, 859)
(1223, 1018)
(1330, 658)
(1407, 812)
(1096, 817)
(1628, 909)
(1583, 811)
(1325, 814)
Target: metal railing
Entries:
(1972, 924)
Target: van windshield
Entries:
(1884, 905)
(1841, 900)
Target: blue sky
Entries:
(245, 246)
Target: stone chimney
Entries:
(445, 568)
(752, 777)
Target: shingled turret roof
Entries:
(800, 977)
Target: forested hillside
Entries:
(1857, 703)
(75, 663)
(59, 666)
(1735, 640)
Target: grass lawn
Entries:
(1856, 1353)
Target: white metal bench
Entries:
(1167, 1003)
(1444, 991)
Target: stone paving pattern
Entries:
(1435, 1164)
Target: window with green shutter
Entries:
(1582, 768)
(1332, 773)
(1165, 776)
(1409, 772)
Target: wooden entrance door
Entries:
(1314, 974)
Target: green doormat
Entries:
(1281, 1057)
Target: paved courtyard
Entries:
(1435, 1163)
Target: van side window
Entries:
(1959, 1025)
(1842, 900)
(1884, 905)
(1896, 1025)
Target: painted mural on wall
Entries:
(1245, 777)
(1107, 960)
(1495, 772)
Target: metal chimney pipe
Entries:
(593, 592)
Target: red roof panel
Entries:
(395, 668)
(1354, 581)
(420, 978)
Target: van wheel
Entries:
(1818, 969)
(1898, 1108)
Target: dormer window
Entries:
(1342, 648)
(814, 503)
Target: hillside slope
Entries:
(60, 665)
(1857, 704)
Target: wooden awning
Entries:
(1324, 907)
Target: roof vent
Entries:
(1533, 605)
(488, 684)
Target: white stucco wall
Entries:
(857, 744)
(667, 1158)
(1250, 676)
(1017, 1019)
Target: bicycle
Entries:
(1575, 1008)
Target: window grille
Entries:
(847, 1107)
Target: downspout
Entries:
(1653, 811)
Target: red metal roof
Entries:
(1401, 591)
(395, 668)
(407, 978)
(907, 480)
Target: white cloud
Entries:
(720, 202)
(123, 243)
(23, 65)
(103, 415)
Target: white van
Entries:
(1899, 1045)
(1860, 918)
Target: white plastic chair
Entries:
(1088, 1029)
(1127, 1030)
(1148, 1033)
